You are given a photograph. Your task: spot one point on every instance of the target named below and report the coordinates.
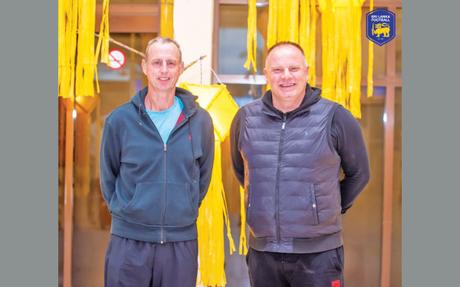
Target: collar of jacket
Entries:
(312, 96)
(188, 100)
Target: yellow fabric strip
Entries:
(312, 44)
(102, 46)
(272, 23)
(213, 215)
(341, 46)
(167, 18)
(251, 41)
(307, 36)
(292, 21)
(77, 58)
(210, 222)
(86, 62)
(68, 22)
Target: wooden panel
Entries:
(131, 18)
(387, 223)
(68, 194)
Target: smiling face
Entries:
(162, 65)
(286, 71)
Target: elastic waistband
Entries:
(297, 245)
(152, 233)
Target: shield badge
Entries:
(380, 26)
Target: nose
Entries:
(164, 66)
(286, 73)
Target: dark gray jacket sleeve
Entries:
(349, 143)
(237, 160)
(206, 161)
(109, 163)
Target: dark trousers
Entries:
(132, 263)
(269, 269)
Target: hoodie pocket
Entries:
(147, 203)
(157, 203)
(180, 210)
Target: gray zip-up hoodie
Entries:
(153, 190)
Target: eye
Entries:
(156, 63)
(171, 64)
(277, 70)
(294, 69)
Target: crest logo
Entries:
(380, 26)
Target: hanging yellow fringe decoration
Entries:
(341, 46)
(102, 46)
(67, 41)
(213, 213)
(307, 36)
(251, 41)
(76, 56)
(86, 61)
(370, 62)
(294, 21)
(272, 23)
(167, 18)
(283, 21)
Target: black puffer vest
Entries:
(292, 180)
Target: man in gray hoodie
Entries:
(156, 161)
(288, 149)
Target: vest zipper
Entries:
(277, 196)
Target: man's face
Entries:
(286, 72)
(162, 66)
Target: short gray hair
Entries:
(163, 40)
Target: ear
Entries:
(181, 68)
(266, 74)
(144, 66)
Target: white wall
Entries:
(193, 27)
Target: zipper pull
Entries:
(165, 148)
(284, 121)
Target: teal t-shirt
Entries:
(166, 120)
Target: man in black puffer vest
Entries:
(288, 149)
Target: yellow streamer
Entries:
(77, 58)
(67, 39)
(341, 46)
(213, 213)
(210, 226)
(283, 23)
(272, 23)
(370, 62)
(251, 41)
(307, 36)
(167, 18)
(86, 62)
(102, 46)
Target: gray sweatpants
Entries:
(132, 263)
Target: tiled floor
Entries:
(235, 265)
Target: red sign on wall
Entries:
(117, 59)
